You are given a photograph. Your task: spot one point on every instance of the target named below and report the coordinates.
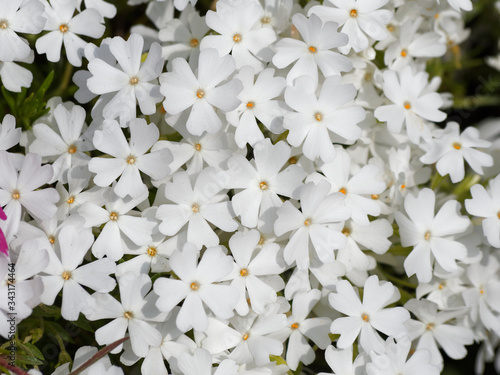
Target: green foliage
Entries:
(27, 108)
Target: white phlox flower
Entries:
(317, 121)
(341, 361)
(64, 28)
(258, 183)
(449, 149)
(237, 23)
(13, 76)
(358, 19)
(64, 272)
(135, 313)
(82, 355)
(18, 16)
(314, 52)
(197, 287)
(131, 81)
(200, 95)
(9, 134)
(197, 200)
(431, 235)
(365, 318)
(412, 104)
(65, 147)
(311, 226)
(130, 158)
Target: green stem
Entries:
(68, 71)
(15, 370)
(101, 353)
(472, 102)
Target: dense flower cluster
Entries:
(252, 184)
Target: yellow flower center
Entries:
(375, 197)
(71, 149)
(261, 240)
(197, 146)
(427, 235)
(113, 216)
(131, 159)
(15, 195)
(4, 24)
(307, 222)
(152, 251)
(368, 77)
(63, 28)
(263, 185)
(429, 326)
(237, 38)
(52, 240)
(200, 93)
(318, 116)
(243, 272)
(346, 232)
(292, 160)
(441, 285)
(134, 81)
(390, 28)
(343, 191)
(195, 208)
(404, 53)
(407, 105)
(312, 49)
(194, 43)
(294, 326)
(365, 318)
(128, 315)
(250, 104)
(70, 200)
(457, 146)
(66, 275)
(194, 286)
(265, 20)
(403, 186)
(354, 13)
(246, 336)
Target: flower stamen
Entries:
(15, 195)
(194, 285)
(63, 28)
(152, 251)
(243, 272)
(113, 216)
(66, 275)
(457, 146)
(294, 326)
(194, 43)
(134, 81)
(71, 149)
(237, 38)
(354, 13)
(407, 105)
(312, 49)
(128, 315)
(263, 185)
(365, 318)
(200, 93)
(195, 208)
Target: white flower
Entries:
(314, 52)
(262, 180)
(197, 200)
(204, 93)
(356, 189)
(63, 272)
(358, 18)
(9, 134)
(134, 313)
(486, 203)
(106, 9)
(413, 104)
(251, 336)
(341, 361)
(450, 148)
(64, 28)
(256, 271)
(14, 76)
(312, 225)
(120, 224)
(200, 363)
(196, 286)
(431, 235)
(83, 354)
(258, 102)
(364, 318)
(316, 118)
(67, 147)
(18, 16)
(432, 329)
(17, 191)
(236, 23)
(130, 157)
(393, 361)
(130, 80)
(299, 329)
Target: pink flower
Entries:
(3, 242)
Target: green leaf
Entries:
(9, 99)
(47, 311)
(83, 324)
(28, 354)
